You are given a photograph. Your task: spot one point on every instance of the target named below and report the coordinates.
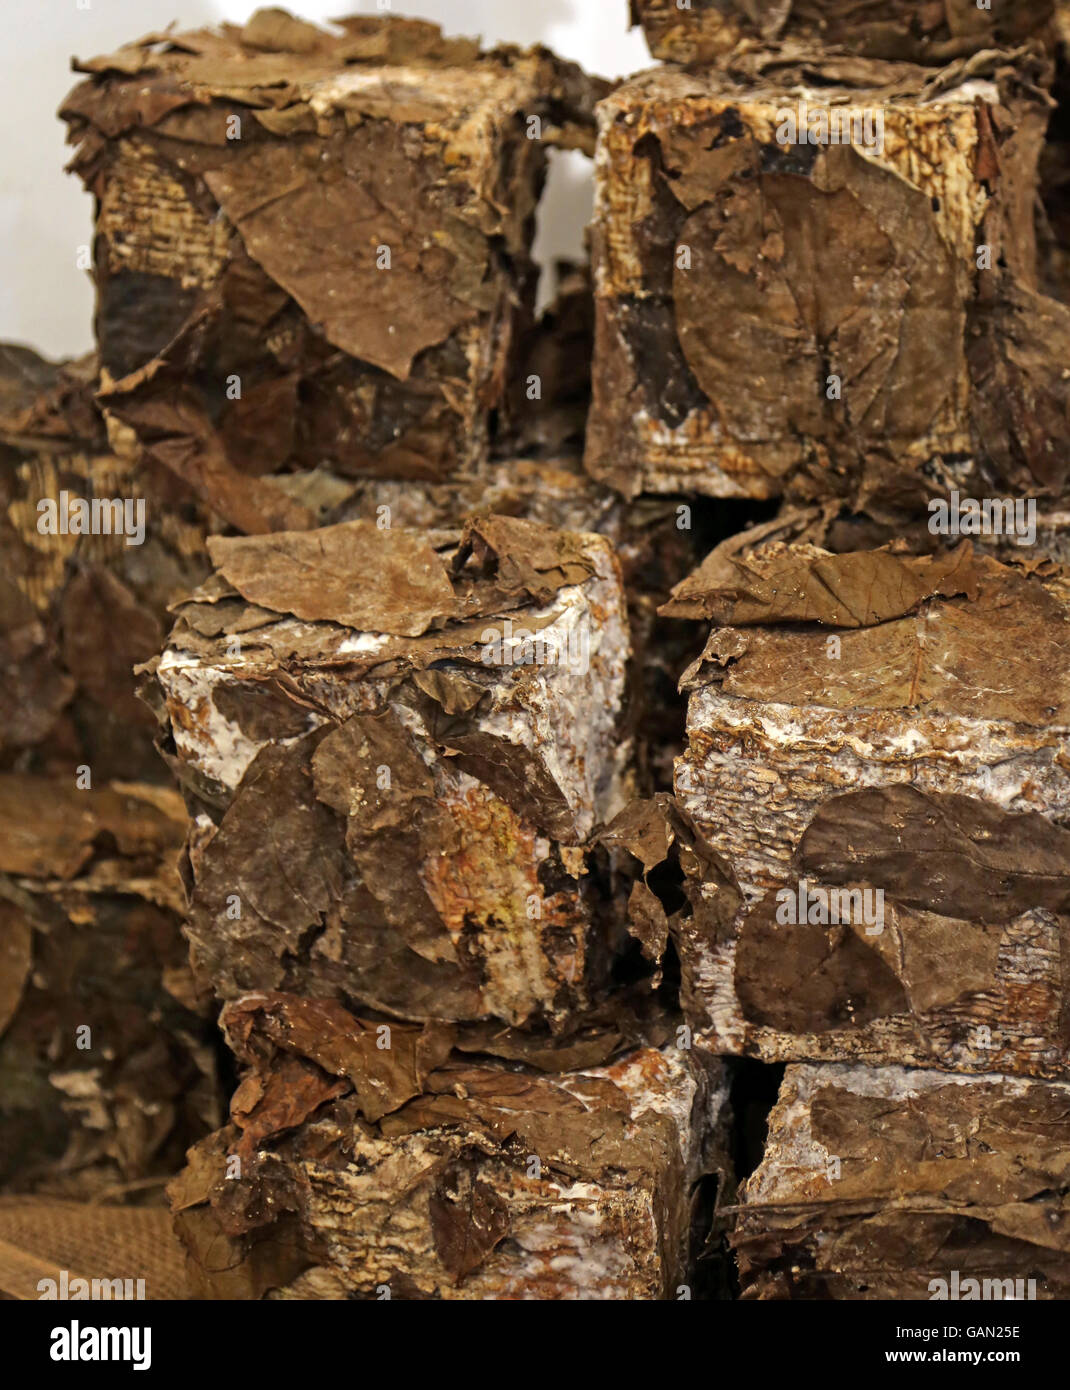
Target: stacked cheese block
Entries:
(397, 745)
(826, 220)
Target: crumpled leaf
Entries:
(404, 40)
(955, 872)
(644, 828)
(279, 853)
(452, 691)
(939, 659)
(277, 31)
(174, 429)
(388, 826)
(315, 214)
(619, 1024)
(468, 1219)
(811, 276)
(232, 1254)
(266, 1105)
(527, 559)
(48, 826)
(1020, 398)
(383, 1077)
(354, 573)
(799, 978)
(648, 921)
(587, 1127)
(956, 855)
(685, 891)
(801, 584)
(345, 767)
(520, 777)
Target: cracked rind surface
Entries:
(478, 899)
(877, 1181)
(801, 269)
(239, 238)
(902, 763)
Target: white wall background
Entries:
(45, 300)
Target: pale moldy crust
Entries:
(439, 744)
(885, 1183)
(339, 220)
(873, 721)
(576, 1184)
(917, 31)
(817, 319)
